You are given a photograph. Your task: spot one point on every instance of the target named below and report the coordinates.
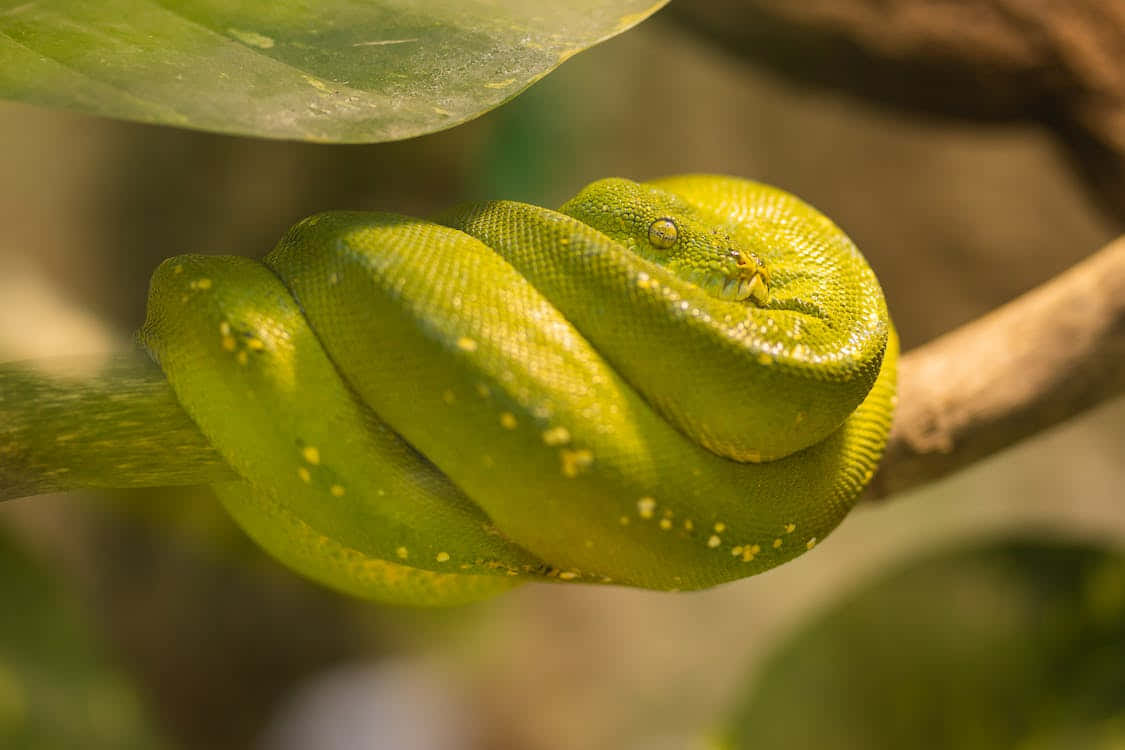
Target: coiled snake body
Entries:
(666, 385)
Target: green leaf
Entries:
(320, 70)
(1016, 644)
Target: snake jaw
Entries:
(754, 289)
(746, 280)
(736, 287)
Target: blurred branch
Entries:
(1028, 365)
(1059, 63)
(101, 421)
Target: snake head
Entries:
(723, 259)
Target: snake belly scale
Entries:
(667, 385)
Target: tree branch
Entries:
(1060, 63)
(1040, 359)
(109, 421)
(1030, 364)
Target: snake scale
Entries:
(667, 385)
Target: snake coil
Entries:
(667, 385)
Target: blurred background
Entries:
(189, 636)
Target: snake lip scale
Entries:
(669, 385)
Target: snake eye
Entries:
(662, 233)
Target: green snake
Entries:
(666, 385)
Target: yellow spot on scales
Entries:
(575, 461)
(556, 436)
(568, 575)
(467, 344)
(442, 557)
(508, 420)
(720, 527)
(500, 84)
(645, 507)
(777, 543)
(336, 490)
(200, 284)
(229, 344)
(666, 524)
(311, 454)
(402, 553)
(714, 541)
(303, 473)
(810, 543)
(790, 528)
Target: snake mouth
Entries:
(738, 289)
(745, 279)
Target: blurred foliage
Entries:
(326, 70)
(1017, 644)
(57, 687)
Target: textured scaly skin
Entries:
(667, 385)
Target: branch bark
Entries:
(109, 421)
(1062, 64)
(1032, 363)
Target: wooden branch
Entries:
(109, 421)
(1062, 64)
(1046, 356)
(1040, 359)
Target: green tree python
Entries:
(667, 385)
